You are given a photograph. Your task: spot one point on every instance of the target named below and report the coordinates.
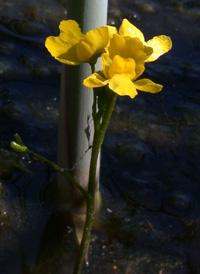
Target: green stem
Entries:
(61, 170)
(98, 140)
(92, 67)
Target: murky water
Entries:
(149, 221)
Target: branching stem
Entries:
(61, 170)
(97, 142)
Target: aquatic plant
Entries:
(124, 54)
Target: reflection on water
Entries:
(149, 221)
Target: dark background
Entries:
(149, 221)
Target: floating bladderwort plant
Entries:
(124, 54)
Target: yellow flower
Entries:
(72, 47)
(160, 44)
(122, 64)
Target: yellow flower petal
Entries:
(61, 51)
(147, 86)
(95, 80)
(69, 57)
(111, 31)
(139, 69)
(70, 32)
(122, 65)
(122, 85)
(55, 45)
(92, 45)
(106, 63)
(160, 44)
(128, 47)
(128, 29)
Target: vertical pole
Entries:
(75, 132)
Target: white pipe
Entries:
(75, 118)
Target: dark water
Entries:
(150, 179)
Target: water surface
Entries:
(149, 221)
